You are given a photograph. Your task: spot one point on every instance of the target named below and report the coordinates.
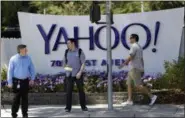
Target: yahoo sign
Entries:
(46, 37)
(94, 36)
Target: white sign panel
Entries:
(45, 36)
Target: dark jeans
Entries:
(70, 83)
(20, 94)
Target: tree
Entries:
(63, 7)
(9, 11)
(10, 8)
(118, 7)
(160, 5)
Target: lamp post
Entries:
(142, 6)
(109, 54)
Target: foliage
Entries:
(4, 73)
(118, 7)
(96, 81)
(160, 5)
(63, 7)
(122, 7)
(175, 73)
(59, 88)
(91, 84)
(9, 11)
(10, 8)
(10, 15)
(174, 77)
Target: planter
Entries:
(164, 97)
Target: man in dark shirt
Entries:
(74, 63)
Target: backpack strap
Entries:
(66, 55)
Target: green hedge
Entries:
(174, 76)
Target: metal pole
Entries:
(142, 6)
(109, 55)
(44, 11)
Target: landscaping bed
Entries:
(164, 97)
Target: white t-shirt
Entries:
(136, 53)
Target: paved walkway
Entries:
(101, 111)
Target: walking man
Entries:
(21, 73)
(136, 71)
(74, 63)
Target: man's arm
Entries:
(10, 72)
(64, 58)
(126, 62)
(82, 59)
(32, 69)
(132, 53)
(82, 68)
(129, 58)
(64, 62)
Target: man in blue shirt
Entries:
(21, 73)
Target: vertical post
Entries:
(109, 54)
(181, 49)
(44, 11)
(142, 6)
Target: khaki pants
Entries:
(134, 76)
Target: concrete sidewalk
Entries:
(101, 111)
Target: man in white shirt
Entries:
(137, 70)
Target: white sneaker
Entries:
(127, 103)
(153, 99)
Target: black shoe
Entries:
(25, 116)
(85, 109)
(14, 116)
(67, 110)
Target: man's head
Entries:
(71, 43)
(22, 50)
(134, 38)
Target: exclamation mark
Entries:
(157, 26)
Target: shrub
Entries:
(91, 84)
(4, 73)
(174, 77)
(94, 81)
(59, 88)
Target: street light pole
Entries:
(142, 6)
(44, 11)
(109, 54)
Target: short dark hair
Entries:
(19, 47)
(71, 40)
(135, 36)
